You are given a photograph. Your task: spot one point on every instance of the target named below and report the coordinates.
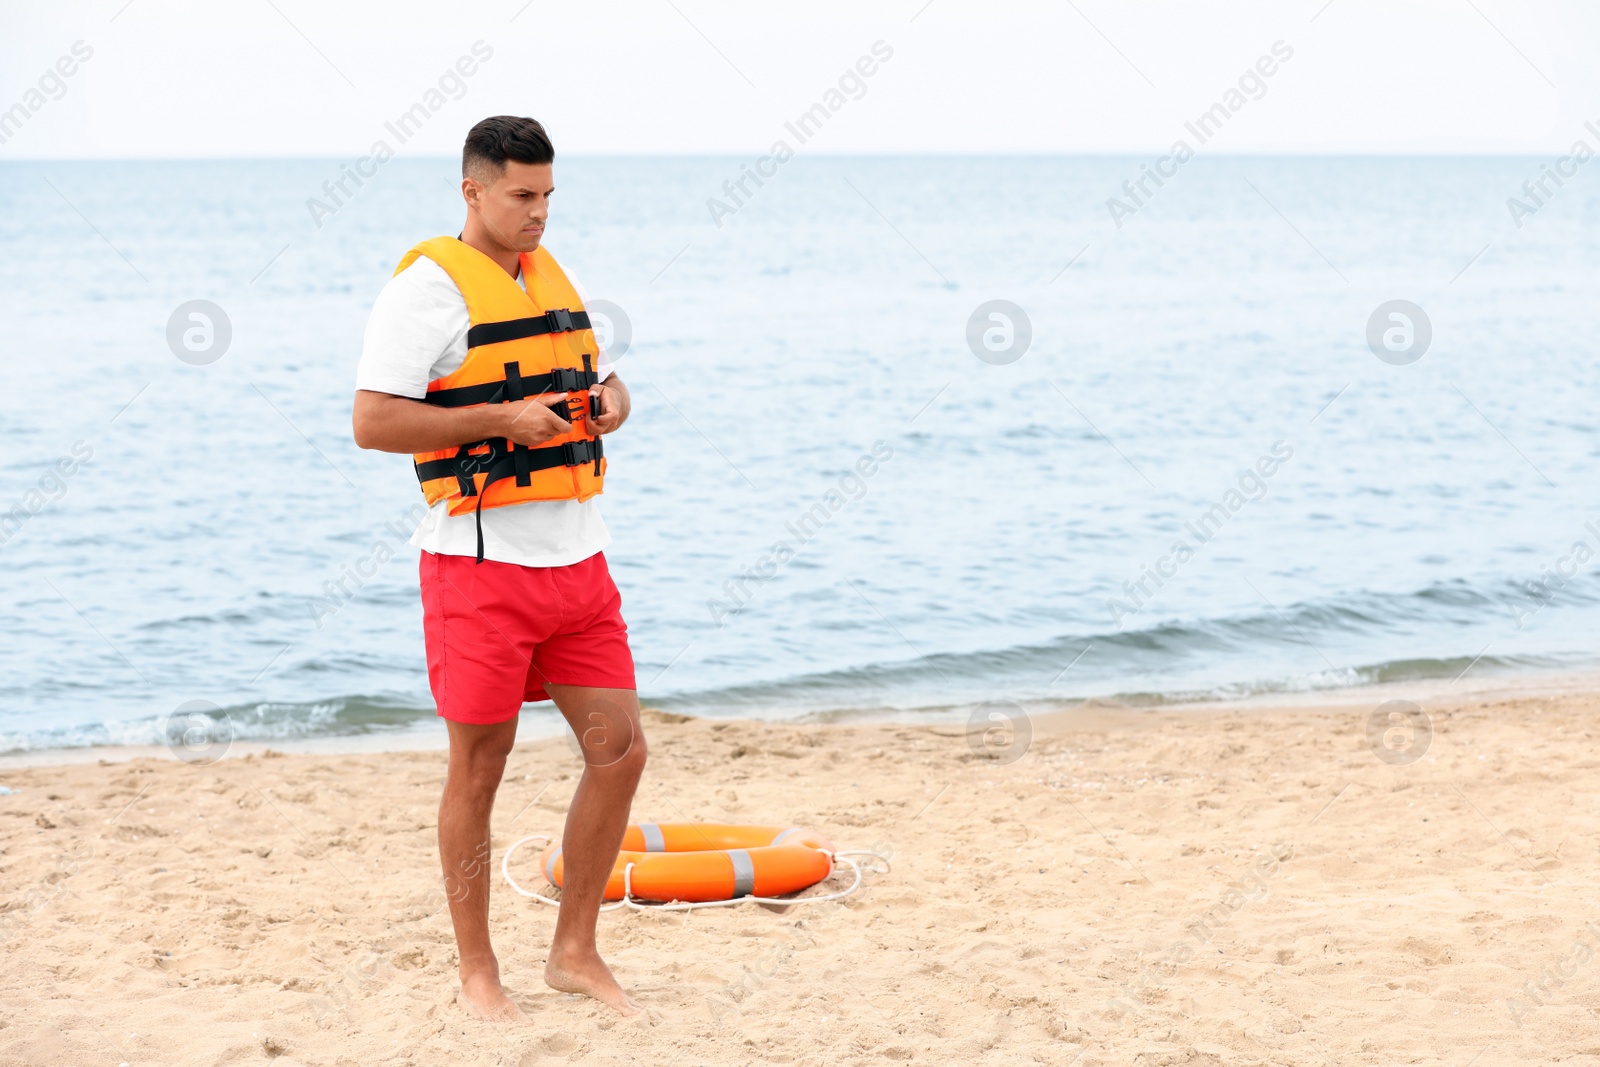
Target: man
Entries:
(477, 361)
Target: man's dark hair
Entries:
(494, 140)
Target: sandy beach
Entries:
(1199, 885)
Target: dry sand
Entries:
(1224, 885)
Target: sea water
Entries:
(845, 487)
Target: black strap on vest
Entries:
(559, 380)
(503, 461)
(498, 462)
(556, 320)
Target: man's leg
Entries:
(606, 722)
(477, 761)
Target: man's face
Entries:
(515, 204)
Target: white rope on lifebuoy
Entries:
(505, 872)
(627, 883)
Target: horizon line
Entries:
(920, 154)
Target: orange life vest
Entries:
(520, 344)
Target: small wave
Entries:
(338, 717)
(1395, 671)
(1228, 657)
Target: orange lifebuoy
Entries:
(700, 862)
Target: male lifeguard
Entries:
(480, 362)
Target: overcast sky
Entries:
(172, 78)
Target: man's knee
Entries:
(485, 769)
(638, 754)
(630, 764)
(481, 765)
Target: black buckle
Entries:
(569, 453)
(560, 320)
(565, 379)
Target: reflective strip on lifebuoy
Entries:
(744, 872)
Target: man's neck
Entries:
(474, 236)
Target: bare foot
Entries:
(586, 973)
(482, 998)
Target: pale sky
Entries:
(189, 78)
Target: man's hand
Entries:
(400, 424)
(614, 405)
(531, 422)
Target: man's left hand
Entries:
(613, 406)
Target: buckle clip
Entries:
(565, 380)
(560, 320)
(569, 454)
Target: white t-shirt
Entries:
(418, 333)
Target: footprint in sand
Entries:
(559, 1044)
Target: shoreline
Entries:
(427, 735)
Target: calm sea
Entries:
(1174, 465)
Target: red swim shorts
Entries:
(496, 632)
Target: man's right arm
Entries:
(392, 423)
(416, 317)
